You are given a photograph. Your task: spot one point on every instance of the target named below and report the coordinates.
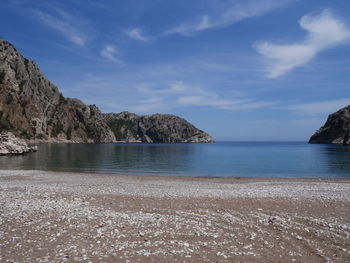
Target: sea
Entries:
(220, 159)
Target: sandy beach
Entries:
(82, 217)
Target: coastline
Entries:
(72, 217)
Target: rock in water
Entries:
(336, 130)
(10, 144)
(156, 128)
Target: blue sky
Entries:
(238, 69)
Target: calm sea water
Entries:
(222, 159)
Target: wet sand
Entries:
(81, 217)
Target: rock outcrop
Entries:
(33, 108)
(336, 130)
(10, 144)
(156, 128)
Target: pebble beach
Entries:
(86, 217)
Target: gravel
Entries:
(81, 217)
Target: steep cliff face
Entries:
(336, 130)
(33, 108)
(157, 128)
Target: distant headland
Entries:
(336, 130)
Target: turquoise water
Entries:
(222, 159)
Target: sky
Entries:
(243, 70)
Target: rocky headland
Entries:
(34, 109)
(156, 128)
(336, 130)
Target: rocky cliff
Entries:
(157, 128)
(336, 130)
(33, 108)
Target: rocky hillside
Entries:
(33, 108)
(336, 130)
(155, 128)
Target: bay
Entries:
(221, 159)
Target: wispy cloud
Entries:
(136, 34)
(177, 94)
(165, 86)
(321, 107)
(71, 27)
(235, 12)
(148, 105)
(324, 31)
(223, 104)
(176, 87)
(110, 52)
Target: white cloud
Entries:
(110, 52)
(223, 104)
(213, 101)
(228, 15)
(163, 96)
(148, 105)
(137, 34)
(323, 107)
(324, 31)
(164, 87)
(71, 27)
(176, 87)
(177, 95)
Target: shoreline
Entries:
(186, 177)
(176, 186)
(86, 217)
